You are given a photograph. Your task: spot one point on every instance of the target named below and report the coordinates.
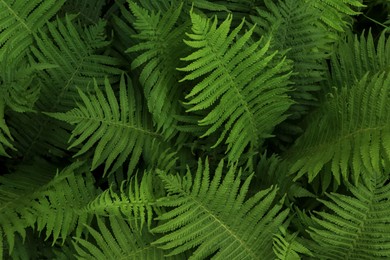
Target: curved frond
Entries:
(247, 95)
(350, 135)
(355, 227)
(202, 216)
(116, 130)
(118, 241)
(159, 47)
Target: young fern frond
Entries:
(115, 130)
(246, 95)
(351, 134)
(215, 217)
(118, 241)
(160, 46)
(355, 227)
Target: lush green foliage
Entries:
(194, 129)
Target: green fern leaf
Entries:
(355, 227)
(160, 47)
(295, 30)
(61, 202)
(115, 130)
(136, 202)
(350, 135)
(334, 12)
(33, 197)
(214, 217)
(19, 19)
(118, 241)
(5, 134)
(76, 58)
(354, 57)
(247, 96)
(287, 247)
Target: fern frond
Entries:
(136, 202)
(356, 56)
(61, 201)
(248, 97)
(287, 247)
(295, 30)
(335, 12)
(355, 227)
(118, 241)
(160, 46)
(350, 135)
(76, 52)
(37, 198)
(115, 130)
(17, 204)
(75, 57)
(202, 216)
(5, 134)
(19, 19)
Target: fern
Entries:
(355, 227)
(238, 84)
(334, 12)
(19, 20)
(349, 64)
(350, 135)
(136, 202)
(286, 246)
(159, 43)
(118, 241)
(58, 93)
(117, 129)
(116, 118)
(202, 216)
(42, 200)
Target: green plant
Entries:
(194, 129)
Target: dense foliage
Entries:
(194, 129)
